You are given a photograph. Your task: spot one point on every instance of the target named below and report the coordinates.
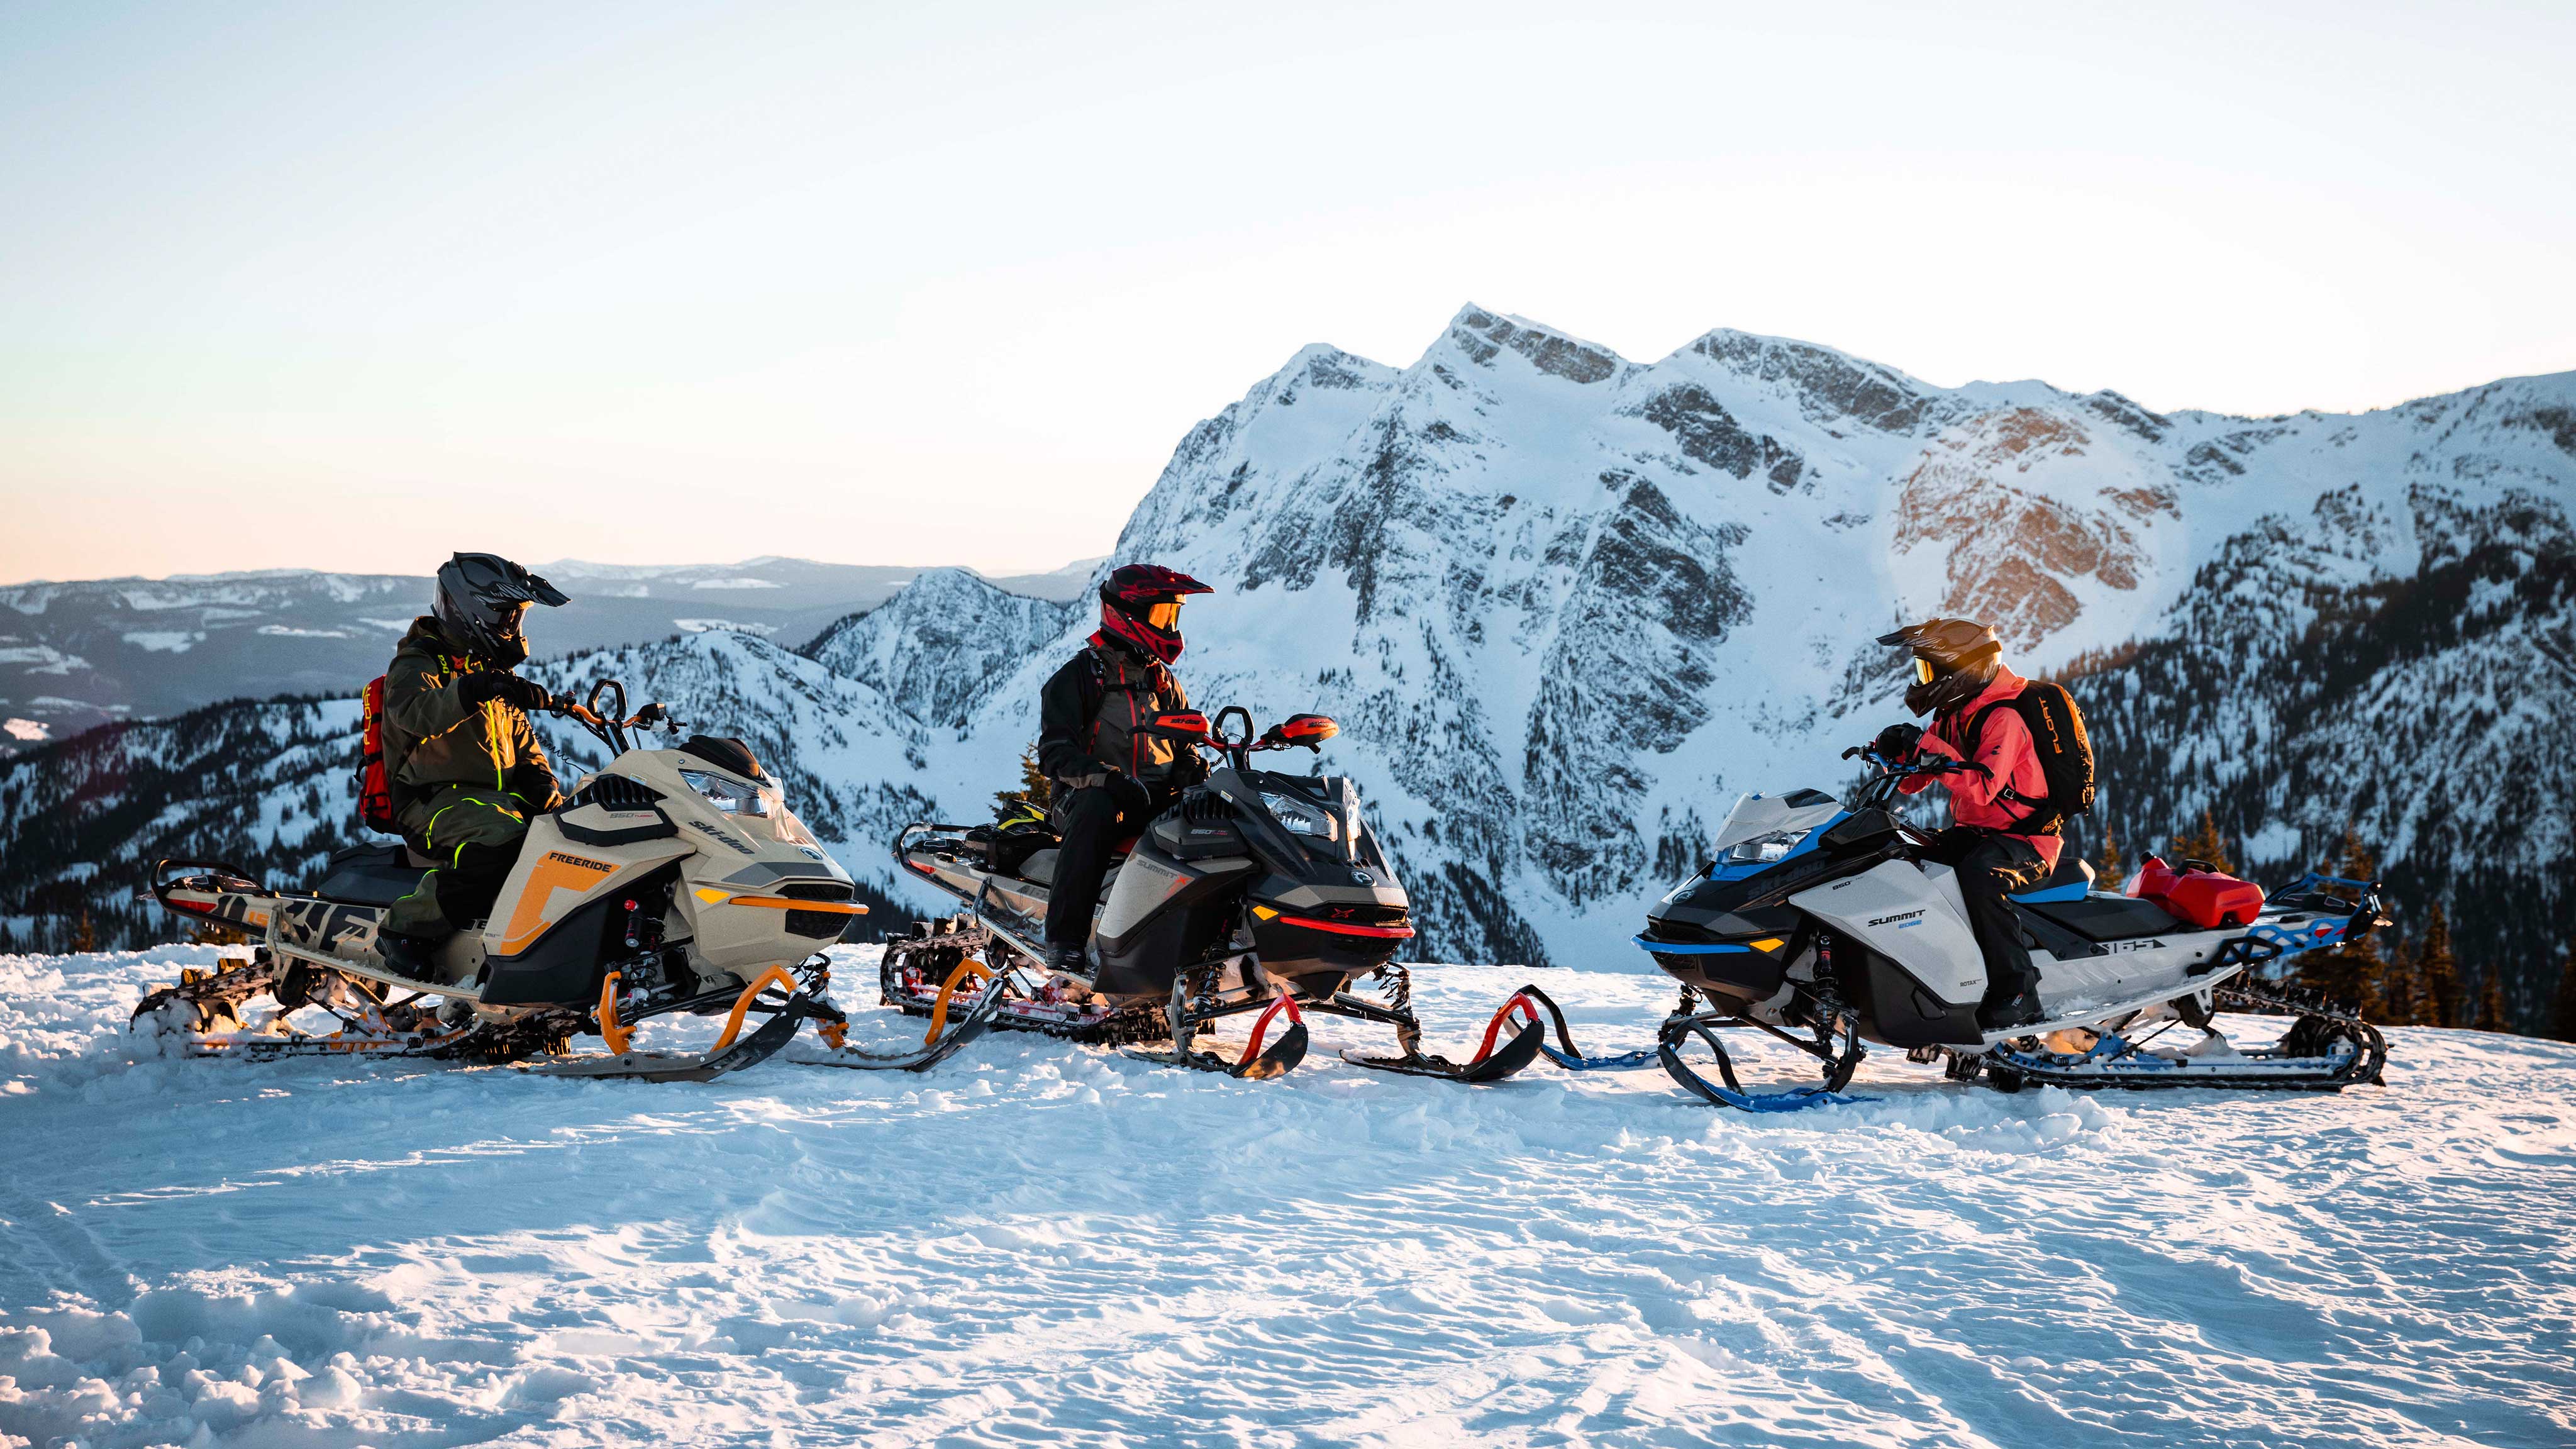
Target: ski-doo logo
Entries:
(720, 835)
(1899, 916)
(584, 864)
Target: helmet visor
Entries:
(1922, 670)
(1165, 615)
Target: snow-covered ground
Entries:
(1039, 1243)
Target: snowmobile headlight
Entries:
(729, 796)
(1764, 849)
(1300, 818)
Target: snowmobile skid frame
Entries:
(370, 1024)
(922, 974)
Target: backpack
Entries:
(375, 787)
(2065, 755)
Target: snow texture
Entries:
(1043, 1243)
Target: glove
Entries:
(1129, 795)
(486, 685)
(1203, 806)
(1897, 741)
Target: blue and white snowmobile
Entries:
(1818, 924)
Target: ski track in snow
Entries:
(1045, 1243)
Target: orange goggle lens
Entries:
(1922, 671)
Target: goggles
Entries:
(1922, 670)
(1164, 615)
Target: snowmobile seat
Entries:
(2107, 918)
(1040, 866)
(2071, 881)
(372, 875)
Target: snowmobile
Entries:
(674, 881)
(1271, 911)
(1818, 924)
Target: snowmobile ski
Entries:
(944, 1038)
(1489, 1064)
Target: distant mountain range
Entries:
(1566, 606)
(73, 655)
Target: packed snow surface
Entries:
(1039, 1243)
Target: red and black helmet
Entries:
(1129, 600)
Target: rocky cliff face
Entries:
(1568, 605)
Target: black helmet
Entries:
(480, 599)
(1954, 661)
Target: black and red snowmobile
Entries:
(1273, 911)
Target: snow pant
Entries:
(472, 836)
(1089, 830)
(1990, 867)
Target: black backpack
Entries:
(2065, 755)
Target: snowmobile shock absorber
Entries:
(939, 1008)
(610, 1031)
(775, 976)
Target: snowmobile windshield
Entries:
(1767, 827)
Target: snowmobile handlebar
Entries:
(1237, 746)
(607, 721)
(1921, 765)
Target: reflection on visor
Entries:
(1164, 615)
(1922, 670)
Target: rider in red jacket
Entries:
(1958, 673)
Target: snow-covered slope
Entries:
(1046, 1244)
(1567, 605)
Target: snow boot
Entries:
(2002, 1013)
(412, 956)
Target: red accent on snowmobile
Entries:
(1345, 928)
(1519, 1003)
(1261, 1023)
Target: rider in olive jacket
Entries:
(464, 766)
(1111, 777)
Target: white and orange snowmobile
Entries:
(1269, 905)
(674, 881)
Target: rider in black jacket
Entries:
(1110, 775)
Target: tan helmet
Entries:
(1954, 661)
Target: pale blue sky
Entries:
(355, 286)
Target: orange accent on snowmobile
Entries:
(784, 903)
(556, 872)
(947, 989)
(609, 1031)
(775, 975)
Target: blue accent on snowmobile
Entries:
(2074, 890)
(1686, 948)
(1577, 1062)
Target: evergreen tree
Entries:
(2491, 1012)
(2437, 973)
(2401, 995)
(2562, 1007)
(85, 935)
(1030, 800)
(2110, 868)
(2204, 844)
